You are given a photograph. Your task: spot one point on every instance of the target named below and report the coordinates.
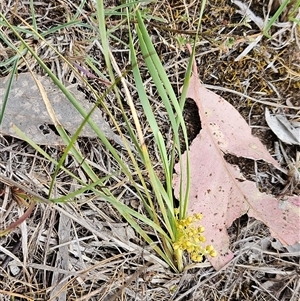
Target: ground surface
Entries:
(102, 258)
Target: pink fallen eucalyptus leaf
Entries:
(218, 189)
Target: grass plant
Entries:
(73, 208)
(156, 194)
(167, 221)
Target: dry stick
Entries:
(265, 102)
(30, 193)
(8, 258)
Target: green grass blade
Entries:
(8, 88)
(275, 17)
(31, 4)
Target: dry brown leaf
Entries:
(218, 189)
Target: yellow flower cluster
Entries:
(190, 238)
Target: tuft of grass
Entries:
(156, 194)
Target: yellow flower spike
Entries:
(190, 239)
